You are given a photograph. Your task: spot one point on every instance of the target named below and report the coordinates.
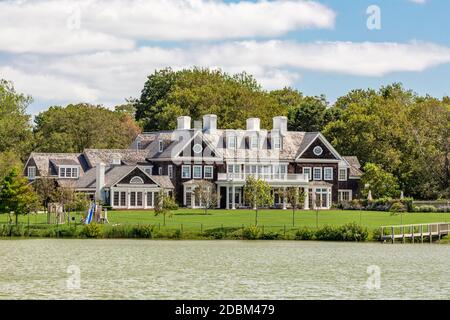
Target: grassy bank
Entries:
(220, 224)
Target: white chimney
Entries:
(253, 124)
(184, 123)
(100, 182)
(210, 123)
(280, 123)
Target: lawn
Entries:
(195, 220)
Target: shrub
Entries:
(328, 233)
(397, 207)
(92, 230)
(142, 231)
(270, 236)
(353, 232)
(250, 233)
(425, 208)
(376, 234)
(176, 234)
(305, 234)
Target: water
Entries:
(146, 269)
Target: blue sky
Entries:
(100, 52)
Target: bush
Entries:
(353, 232)
(92, 230)
(425, 208)
(270, 236)
(376, 234)
(142, 231)
(305, 234)
(250, 233)
(397, 207)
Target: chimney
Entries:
(184, 123)
(253, 124)
(100, 182)
(280, 123)
(210, 123)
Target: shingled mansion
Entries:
(177, 160)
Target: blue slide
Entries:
(90, 214)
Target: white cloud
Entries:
(63, 26)
(110, 77)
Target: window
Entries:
(136, 180)
(208, 172)
(161, 146)
(160, 171)
(307, 171)
(277, 143)
(318, 151)
(139, 199)
(148, 170)
(197, 172)
(232, 142)
(116, 199)
(115, 160)
(186, 172)
(68, 172)
(317, 174)
(197, 148)
(123, 199)
(345, 195)
(138, 145)
(150, 199)
(31, 172)
(234, 168)
(170, 171)
(342, 174)
(133, 199)
(328, 174)
(253, 142)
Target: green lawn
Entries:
(195, 220)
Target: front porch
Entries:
(133, 198)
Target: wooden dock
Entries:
(415, 232)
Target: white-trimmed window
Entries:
(344, 195)
(160, 171)
(277, 143)
(138, 145)
(208, 172)
(253, 142)
(343, 174)
(328, 173)
(234, 168)
(31, 173)
(197, 172)
(186, 171)
(170, 171)
(317, 173)
(232, 142)
(148, 170)
(161, 146)
(307, 171)
(68, 172)
(136, 180)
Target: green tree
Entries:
(258, 194)
(15, 126)
(164, 204)
(16, 195)
(76, 127)
(9, 160)
(379, 182)
(205, 194)
(196, 92)
(296, 198)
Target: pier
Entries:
(415, 232)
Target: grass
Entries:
(194, 220)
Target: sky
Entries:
(101, 51)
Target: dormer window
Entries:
(116, 160)
(161, 146)
(31, 173)
(138, 145)
(232, 142)
(253, 142)
(277, 143)
(68, 172)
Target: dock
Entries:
(415, 232)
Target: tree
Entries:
(296, 198)
(76, 127)
(205, 194)
(381, 183)
(65, 195)
(16, 195)
(8, 160)
(196, 92)
(258, 194)
(15, 127)
(164, 204)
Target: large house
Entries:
(176, 161)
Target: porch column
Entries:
(144, 199)
(128, 198)
(228, 198)
(233, 197)
(306, 203)
(184, 196)
(314, 198)
(153, 199)
(218, 197)
(284, 198)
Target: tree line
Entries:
(401, 138)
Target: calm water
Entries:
(140, 269)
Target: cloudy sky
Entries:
(100, 51)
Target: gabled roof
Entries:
(310, 138)
(46, 163)
(355, 166)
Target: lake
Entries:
(153, 269)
